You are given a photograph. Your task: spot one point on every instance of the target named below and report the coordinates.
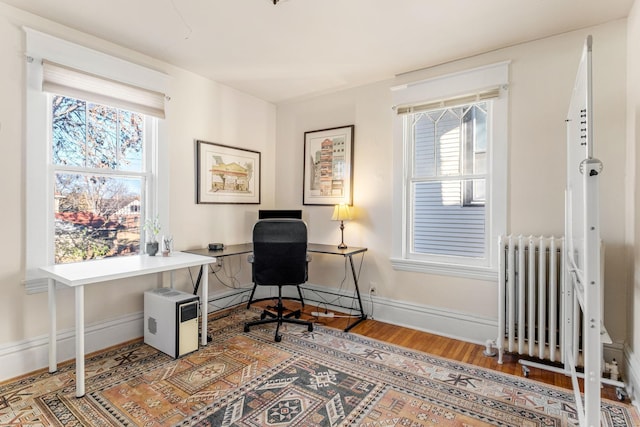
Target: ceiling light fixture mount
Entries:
(275, 1)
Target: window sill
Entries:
(457, 270)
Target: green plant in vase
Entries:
(152, 226)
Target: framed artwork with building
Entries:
(328, 166)
(226, 174)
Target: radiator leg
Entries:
(488, 350)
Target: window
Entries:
(447, 180)
(96, 144)
(450, 170)
(97, 156)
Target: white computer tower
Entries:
(171, 321)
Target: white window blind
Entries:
(450, 102)
(62, 80)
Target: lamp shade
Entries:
(341, 212)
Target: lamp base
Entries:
(342, 245)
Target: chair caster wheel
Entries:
(278, 338)
(310, 328)
(246, 329)
(297, 315)
(262, 316)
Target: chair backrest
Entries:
(279, 252)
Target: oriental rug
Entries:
(320, 378)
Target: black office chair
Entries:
(279, 259)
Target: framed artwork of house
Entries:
(227, 174)
(328, 166)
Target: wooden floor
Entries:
(440, 346)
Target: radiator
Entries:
(530, 297)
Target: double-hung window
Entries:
(100, 174)
(450, 171)
(96, 143)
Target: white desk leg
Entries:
(204, 286)
(53, 343)
(79, 341)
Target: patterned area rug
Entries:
(320, 378)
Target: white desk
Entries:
(77, 275)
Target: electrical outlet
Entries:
(372, 287)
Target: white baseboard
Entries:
(22, 357)
(451, 324)
(631, 375)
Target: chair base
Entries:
(253, 291)
(279, 317)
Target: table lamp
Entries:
(341, 213)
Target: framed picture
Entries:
(328, 166)
(227, 174)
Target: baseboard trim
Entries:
(22, 357)
(450, 324)
(631, 375)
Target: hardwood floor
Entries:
(441, 346)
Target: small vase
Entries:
(167, 245)
(152, 248)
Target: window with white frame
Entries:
(450, 170)
(100, 178)
(95, 146)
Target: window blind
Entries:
(449, 102)
(63, 80)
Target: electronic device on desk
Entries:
(171, 321)
(280, 213)
(216, 246)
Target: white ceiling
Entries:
(301, 47)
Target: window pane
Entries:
(448, 143)
(102, 137)
(96, 216)
(96, 136)
(130, 141)
(442, 224)
(68, 131)
(424, 152)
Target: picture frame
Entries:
(328, 166)
(226, 174)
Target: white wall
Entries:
(632, 348)
(542, 77)
(199, 109)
